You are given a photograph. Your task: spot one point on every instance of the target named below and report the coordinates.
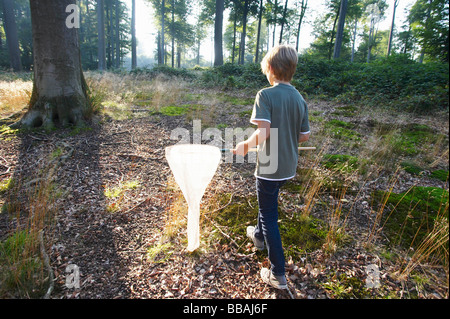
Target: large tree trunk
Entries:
(12, 38)
(59, 90)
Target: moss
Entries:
(440, 174)
(298, 233)
(411, 168)
(341, 286)
(301, 234)
(409, 140)
(179, 110)
(341, 130)
(340, 162)
(411, 215)
(347, 111)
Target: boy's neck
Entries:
(276, 82)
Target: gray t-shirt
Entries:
(285, 109)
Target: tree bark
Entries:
(133, 35)
(302, 15)
(117, 34)
(163, 49)
(333, 33)
(173, 33)
(340, 30)
(218, 39)
(101, 35)
(261, 8)
(391, 33)
(59, 94)
(283, 20)
(12, 38)
(244, 33)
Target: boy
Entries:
(282, 118)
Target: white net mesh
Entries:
(193, 166)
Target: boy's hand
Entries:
(241, 149)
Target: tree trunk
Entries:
(234, 38)
(117, 34)
(283, 20)
(133, 35)
(333, 33)
(259, 30)
(218, 27)
(391, 33)
(163, 48)
(109, 56)
(173, 33)
(11, 35)
(275, 23)
(302, 15)
(59, 90)
(244, 34)
(101, 35)
(354, 40)
(340, 30)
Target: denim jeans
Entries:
(267, 227)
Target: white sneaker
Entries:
(251, 234)
(268, 277)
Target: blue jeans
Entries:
(267, 227)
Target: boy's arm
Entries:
(304, 137)
(259, 136)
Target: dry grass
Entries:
(14, 96)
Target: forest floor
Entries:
(119, 218)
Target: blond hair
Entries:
(283, 60)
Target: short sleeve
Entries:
(304, 126)
(261, 109)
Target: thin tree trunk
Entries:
(117, 38)
(333, 32)
(12, 38)
(354, 40)
(259, 30)
(218, 38)
(391, 33)
(163, 51)
(234, 39)
(133, 35)
(101, 34)
(244, 33)
(283, 21)
(340, 30)
(302, 14)
(275, 23)
(173, 33)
